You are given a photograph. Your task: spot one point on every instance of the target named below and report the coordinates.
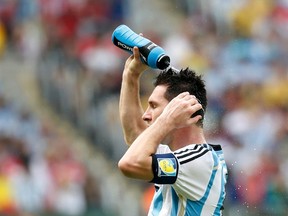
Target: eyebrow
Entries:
(152, 102)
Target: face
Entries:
(156, 104)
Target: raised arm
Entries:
(130, 108)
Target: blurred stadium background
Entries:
(60, 75)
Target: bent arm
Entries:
(137, 161)
(130, 108)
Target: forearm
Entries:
(130, 108)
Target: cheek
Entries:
(157, 113)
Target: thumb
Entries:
(136, 52)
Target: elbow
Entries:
(125, 167)
(135, 168)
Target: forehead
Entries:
(158, 94)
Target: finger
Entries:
(183, 94)
(187, 95)
(190, 99)
(194, 101)
(194, 119)
(195, 108)
(136, 52)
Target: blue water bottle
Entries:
(151, 54)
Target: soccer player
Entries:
(167, 146)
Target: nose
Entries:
(147, 116)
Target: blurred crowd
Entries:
(39, 170)
(240, 47)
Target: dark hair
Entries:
(181, 81)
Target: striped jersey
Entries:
(189, 181)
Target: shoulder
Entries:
(196, 165)
(163, 149)
(191, 153)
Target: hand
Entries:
(134, 64)
(179, 110)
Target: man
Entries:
(167, 143)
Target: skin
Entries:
(164, 121)
(130, 109)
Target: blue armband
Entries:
(165, 168)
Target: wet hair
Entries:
(182, 81)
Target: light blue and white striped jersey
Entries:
(189, 182)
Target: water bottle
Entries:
(150, 53)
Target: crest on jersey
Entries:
(168, 166)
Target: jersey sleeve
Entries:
(194, 172)
(165, 168)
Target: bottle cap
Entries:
(163, 62)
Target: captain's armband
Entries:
(165, 168)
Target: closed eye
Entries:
(153, 105)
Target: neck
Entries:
(186, 136)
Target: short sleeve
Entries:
(194, 172)
(165, 168)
